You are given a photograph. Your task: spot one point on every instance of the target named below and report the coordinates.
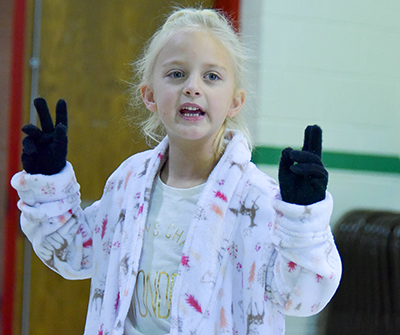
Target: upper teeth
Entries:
(191, 108)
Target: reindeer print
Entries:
(120, 182)
(121, 219)
(97, 299)
(248, 211)
(59, 246)
(146, 166)
(50, 263)
(98, 295)
(241, 167)
(124, 264)
(254, 318)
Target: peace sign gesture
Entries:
(302, 176)
(45, 150)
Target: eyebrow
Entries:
(181, 63)
(172, 62)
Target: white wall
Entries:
(331, 62)
(336, 64)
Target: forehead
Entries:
(194, 46)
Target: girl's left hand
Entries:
(302, 176)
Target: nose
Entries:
(192, 87)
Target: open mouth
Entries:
(191, 112)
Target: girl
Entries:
(190, 237)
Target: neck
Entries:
(188, 165)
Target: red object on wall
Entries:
(230, 7)
(13, 164)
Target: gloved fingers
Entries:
(28, 146)
(305, 157)
(309, 170)
(61, 113)
(44, 115)
(60, 132)
(29, 163)
(286, 162)
(313, 140)
(60, 147)
(32, 131)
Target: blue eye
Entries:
(212, 76)
(176, 74)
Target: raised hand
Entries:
(302, 176)
(45, 150)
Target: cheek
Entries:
(163, 113)
(167, 98)
(166, 109)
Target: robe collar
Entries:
(208, 236)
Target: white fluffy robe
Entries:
(248, 260)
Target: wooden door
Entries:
(86, 47)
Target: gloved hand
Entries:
(302, 176)
(45, 151)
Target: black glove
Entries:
(302, 176)
(45, 151)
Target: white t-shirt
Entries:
(170, 215)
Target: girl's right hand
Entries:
(45, 150)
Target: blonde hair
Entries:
(191, 19)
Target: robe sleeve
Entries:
(307, 267)
(54, 222)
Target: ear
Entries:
(147, 94)
(237, 103)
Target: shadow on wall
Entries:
(368, 298)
